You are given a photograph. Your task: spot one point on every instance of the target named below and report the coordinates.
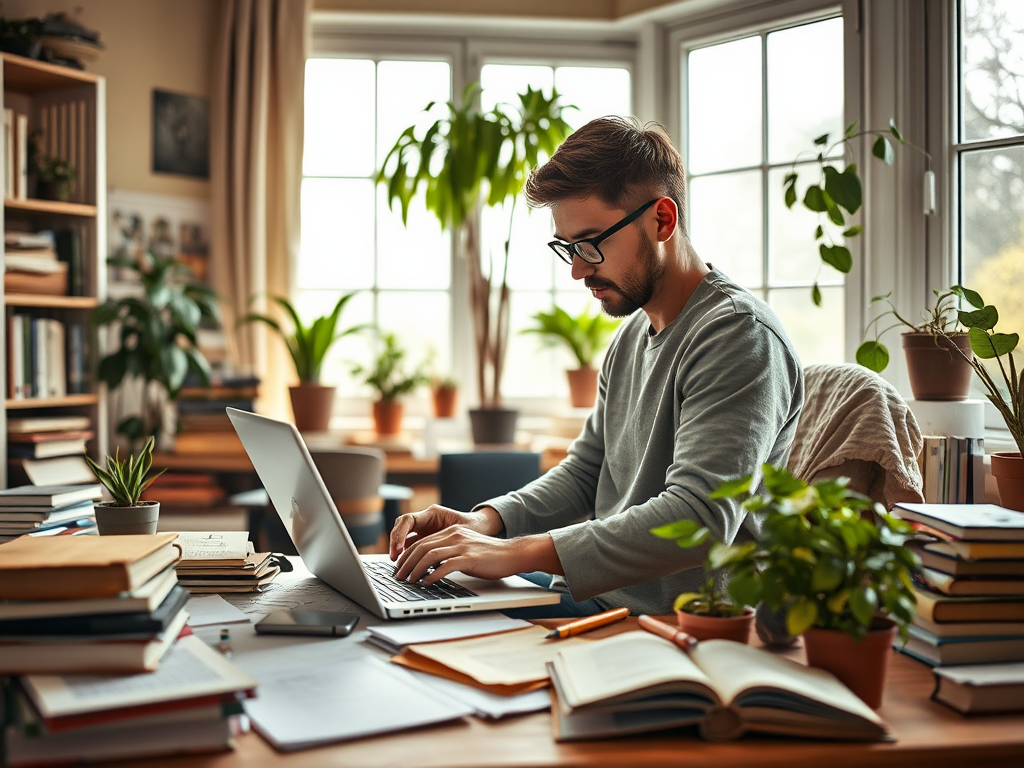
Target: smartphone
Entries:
(328, 623)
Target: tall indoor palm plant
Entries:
(464, 160)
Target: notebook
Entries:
(298, 493)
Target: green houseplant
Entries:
(842, 579)
(585, 336)
(937, 371)
(391, 379)
(989, 348)
(464, 160)
(838, 192)
(157, 331)
(308, 345)
(126, 480)
(55, 178)
(707, 614)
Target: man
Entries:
(701, 386)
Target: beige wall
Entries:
(164, 44)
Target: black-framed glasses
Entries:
(589, 249)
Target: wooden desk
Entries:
(929, 734)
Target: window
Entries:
(351, 241)
(989, 152)
(752, 106)
(537, 279)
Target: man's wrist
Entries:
(488, 521)
(538, 553)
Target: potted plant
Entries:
(585, 336)
(706, 614)
(157, 330)
(22, 37)
(466, 159)
(936, 370)
(308, 345)
(389, 378)
(842, 578)
(989, 348)
(55, 178)
(838, 193)
(126, 481)
(444, 394)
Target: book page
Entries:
(735, 668)
(632, 661)
(214, 545)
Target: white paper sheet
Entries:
(213, 609)
(397, 635)
(492, 706)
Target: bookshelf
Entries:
(69, 107)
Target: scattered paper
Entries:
(393, 637)
(213, 609)
(492, 706)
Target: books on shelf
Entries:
(981, 688)
(30, 424)
(48, 495)
(191, 489)
(953, 469)
(36, 357)
(636, 682)
(46, 449)
(56, 567)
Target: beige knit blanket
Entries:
(854, 423)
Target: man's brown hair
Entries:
(623, 163)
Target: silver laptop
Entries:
(301, 499)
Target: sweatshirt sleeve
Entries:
(737, 384)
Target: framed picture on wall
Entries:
(181, 134)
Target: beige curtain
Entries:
(256, 173)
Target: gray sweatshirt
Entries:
(712, 397)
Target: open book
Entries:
(637, 682)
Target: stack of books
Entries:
(88, 604)
(970, 591)
(953, 469)
(47, 510)
(191, 704)
(223, 561)
(31, 264)
(185, 489)
(203, 425)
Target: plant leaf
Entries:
(873, 355)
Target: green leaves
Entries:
(882, 149)
(837, 256)
(585, 335)
(873, 355)
(126, 479)
(989, 346)
(388, 375)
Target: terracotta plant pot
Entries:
(1008, 470)
(311, 406)
(115, 520)
(937, 371)
(735, 628)
(387, 417)
(444, 401)
(860, 665)
(582, 387)
(493, 426)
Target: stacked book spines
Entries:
(223, 561)
(970, 589)
(953, 469)
(203, 425)
(49, 510)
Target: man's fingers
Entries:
(404, 525)
(427, 558)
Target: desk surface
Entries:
(928, 732)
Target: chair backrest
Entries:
(855, 423)
(353, 477)
(466, 479)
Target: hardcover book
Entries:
(974, 522)
(637, 682)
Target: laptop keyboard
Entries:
(382, 574)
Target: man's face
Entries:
(625, 281)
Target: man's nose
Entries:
(581, 268)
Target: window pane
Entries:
(530, 258)
(345, 352)
(502, 83)
(993, 230)
(530, 371)
(404, 88)
(594, 91)
(724, 110)
(422, 321)
(725, 224)
(338, 117)
(337, 234)
(413, 255)
(993, 69)
(816, 332)
(805, 94)
(792, 250)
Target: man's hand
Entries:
(413, 527)
(460, 548)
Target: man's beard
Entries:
(637, 287)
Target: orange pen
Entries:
(661, 629)
(588, 623)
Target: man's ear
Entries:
(668, 218)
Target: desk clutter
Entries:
(47, 511)
(214, 562)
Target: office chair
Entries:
(855, 424)
(466, 479)
(353, 477)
